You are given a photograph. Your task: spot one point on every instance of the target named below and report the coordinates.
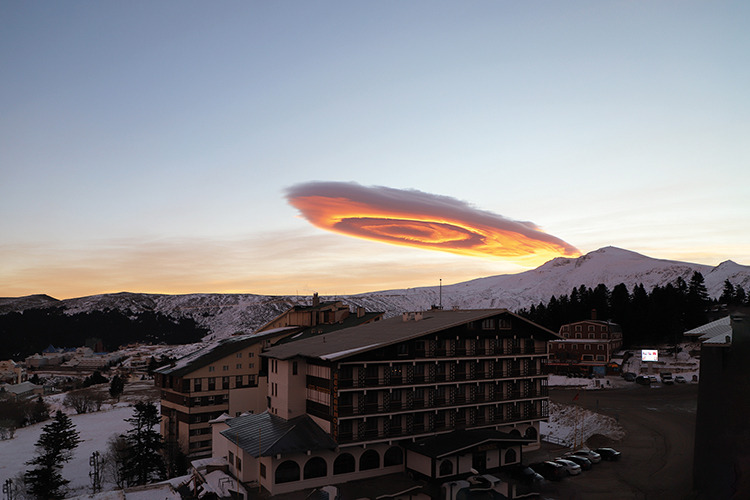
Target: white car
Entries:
(573, 468)
(593, 456)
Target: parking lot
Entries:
(657, 450)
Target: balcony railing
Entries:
(437, 402)
(441, 426)
(486, 374)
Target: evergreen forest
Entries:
(658, 316)
(31, 331)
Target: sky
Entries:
(157, 146)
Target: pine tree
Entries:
(143, 462)
(697, 301)
(727, 295)
(116, 386)
(55, 447)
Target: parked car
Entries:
(593, 456)
(643, 380)
(680, 379)
(608, 454)
(666, 378)
(524, 474)
(629, 376)
(573, 468)
(584, 462)
(549, 470)
(653, 379)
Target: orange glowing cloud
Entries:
(418, 219)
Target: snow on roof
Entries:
(215, 351)
(720, 339)
(720, 326)
(220, 483)
(347, 352)
(202, 463)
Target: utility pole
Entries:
(8, 489)
(95, 473)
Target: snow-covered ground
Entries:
(94, 430)
(573, 425)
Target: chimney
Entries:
(316, 300)
(593, 314)
(360, 312)
(405, 317)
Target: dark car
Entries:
(550, 470)
(629, 376)
(523, 474)
(643, 380)
(609, 454)
(584, 462)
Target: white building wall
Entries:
(419, 463)
(329, 456)
(287, 387)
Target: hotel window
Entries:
(600, 347)
(578, 328)
(592, 328)
(294, 368)
(592, 335)
(250, 354)
(578, 335)
(587, 347)
(600, 357)
(239, 354)
(263, 470)
(239, 366)
(488, 324)
(225, 368)
(212, 384)
(211, 368)
(197, 385)
(238, 381)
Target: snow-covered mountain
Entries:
(225, 314)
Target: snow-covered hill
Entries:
(225, 314)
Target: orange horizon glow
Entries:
(446, 225)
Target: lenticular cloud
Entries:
(418, 219)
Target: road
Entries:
(657, 450)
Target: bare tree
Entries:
(114, 458)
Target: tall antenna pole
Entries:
(441, 294)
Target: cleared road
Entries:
(657, 448)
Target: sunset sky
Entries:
(156, 146)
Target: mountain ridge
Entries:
(226, 314)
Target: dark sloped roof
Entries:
(348, 322)
(355, 340)
(216, 351)
(265, 434)
(444, 445)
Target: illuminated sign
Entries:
(649, 355)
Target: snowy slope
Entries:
(225, 314)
